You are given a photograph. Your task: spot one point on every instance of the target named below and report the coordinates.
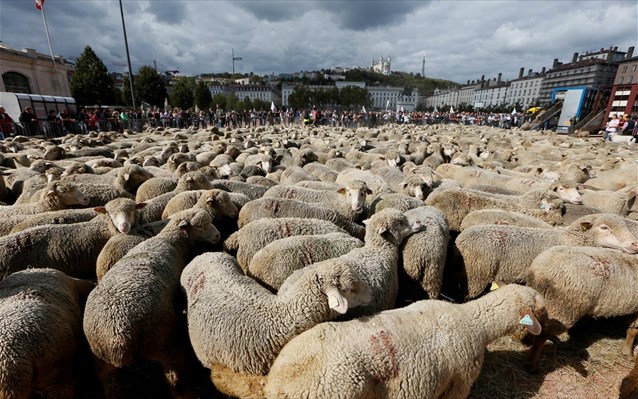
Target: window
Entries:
(629, 78)
(16, 82)
(620, 80)
(624, 69)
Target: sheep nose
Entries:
(634, 246)
(124, 227)
(216, 237)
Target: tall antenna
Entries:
(423, 68)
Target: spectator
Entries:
(55, 124)
(6, 123)
(611, 128)
(29, 121)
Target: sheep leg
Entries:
(108, 376)
(535, 352)
(628, 347)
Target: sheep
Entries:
(189, 181)
(456, 203)
(377, 261)
(256, 235)
(582, 282)
(621, 202)
(499, 216)
(321, 172)
(294, 174)
(223, 304)
(423, 254)
(373, 182)
(252, 191)
(66, 216)
(120, 244)
(287, 208)
(129, 178)
(430, 349)
(220, 201)
(272, 264)
(348, 201)
(263, 181)
(504, 253)
(71, 248)
(132, 314)
(58, 195)
(155, 187)
(41, 323)
(401, 202)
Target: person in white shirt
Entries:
(611, 127)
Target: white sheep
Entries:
(499, 216)
(349, 200)
(224, 304)
(256, 235)
(430, 349)
(132, 314)
(272, 264)
(492, 252)
(584, 281)
(423, 254)
(71, 248)
(456, 203)
(41, 324)
(286, 208)
(58, 195)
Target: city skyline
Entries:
(460, 40)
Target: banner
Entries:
(39, 4)
(272, 106)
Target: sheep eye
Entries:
(604, 227)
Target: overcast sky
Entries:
(460, 40)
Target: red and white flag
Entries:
(39, 4)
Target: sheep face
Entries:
(342, 286)
(391, 224)
(68, 194)
(219, 201)
(197, 225)
(567, 193)
(122, 212)
(610, 233)
(356, 194)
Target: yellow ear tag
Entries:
(494, 287)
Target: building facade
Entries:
(624, 93)
(381, 66)
(30, 72)
(525, 90)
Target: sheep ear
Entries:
(140, 205)
(341, 190)
(336, 301)
(631, 199)
(127, 176)
(403, 184)
(584, 226)
(382, 230)
(368, 191)
(183, 224)
(529, 320)
(100, 209)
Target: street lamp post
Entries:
(234, 59)
(128, 57)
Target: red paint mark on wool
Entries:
(500, 237)
(273, 206)
(385, 355)
(600, 266)
(198, 283)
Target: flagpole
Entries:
(46, 29)
(128, 58)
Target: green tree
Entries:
(219, 99)
(203, 98)
(247, 103)
(352, 96)
(91, 83)
(150, 87)
(300, 98)
(182, 95)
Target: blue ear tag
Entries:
(542, 206)
(526, 321)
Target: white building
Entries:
(442, 98)
(254, 92)
(491, 96)
(30, 72)
(381, 66)
(393, 97)
(524, 91)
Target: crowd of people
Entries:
(119, 119)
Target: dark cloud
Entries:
(274, 11)
(362, 15)
(172, 12)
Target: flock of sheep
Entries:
(306, 262)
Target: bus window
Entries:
(40, 110)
